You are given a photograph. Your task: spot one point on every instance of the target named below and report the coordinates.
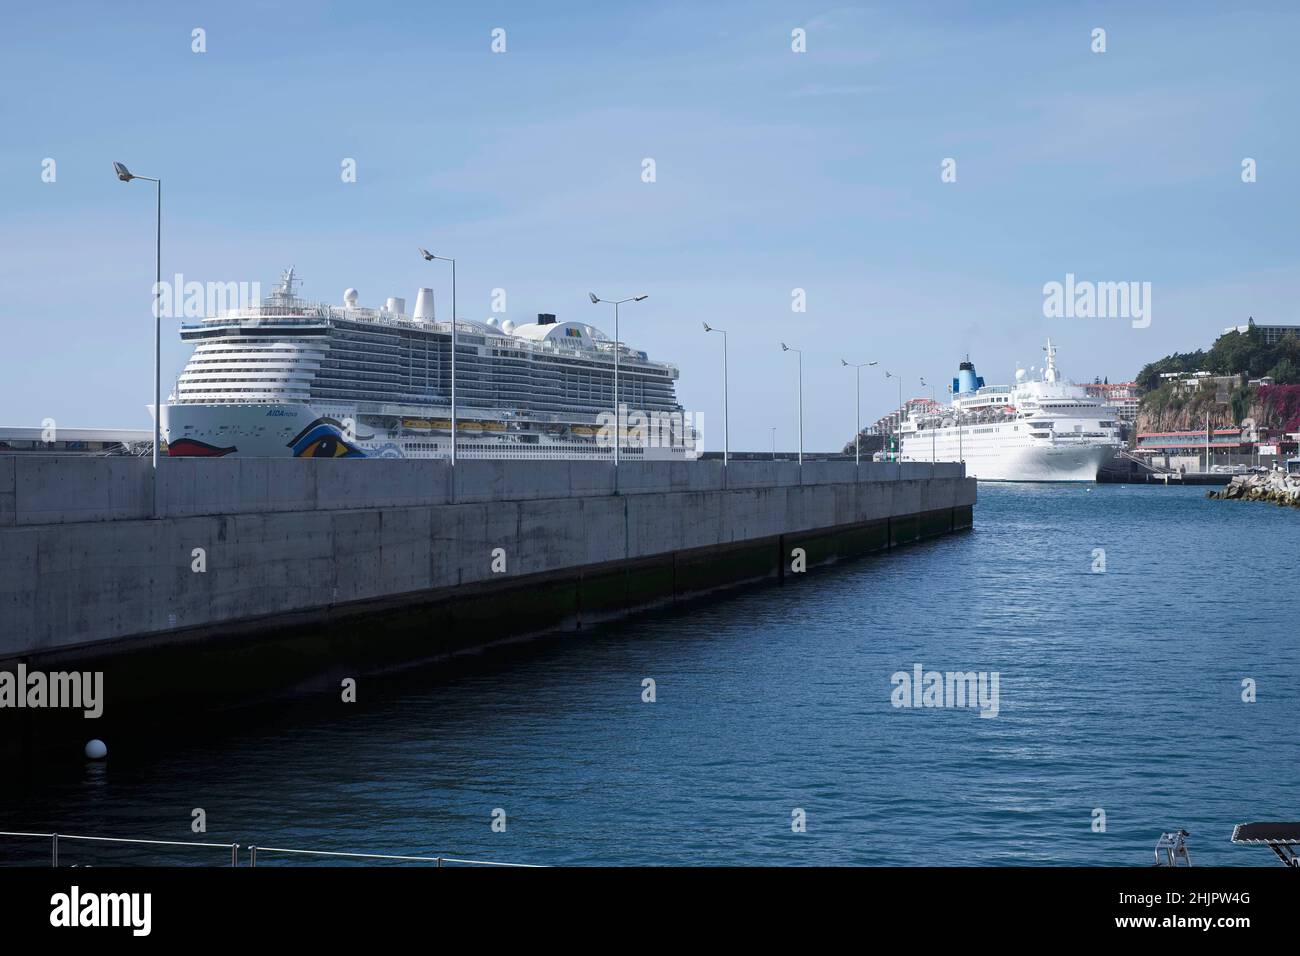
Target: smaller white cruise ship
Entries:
(1039, 429)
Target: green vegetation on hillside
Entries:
(1231, 354)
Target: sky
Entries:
(775, 170)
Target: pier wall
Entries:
(332, 547)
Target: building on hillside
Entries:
(1187, 382)
(887, 424)
(1269, 334)
(1124, 396)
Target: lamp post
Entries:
(956, 417)
(726, 415)
(773, 428)
(430, 257)
(125, 175)
(898, 445)
(799, 352)
(618, 423)
(935, 401)
(857, 435)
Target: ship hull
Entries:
(302, 430)
(280, 430)
(1001, 459)
(1045, 464)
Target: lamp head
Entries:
(428, 256)
(595, 299)
(706, 327)
(784, 347)
(123, 173)
(640, 298)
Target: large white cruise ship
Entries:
(1039, 429)
(288, 377)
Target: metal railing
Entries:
(253, 851)
(440, 861)
(54, 839)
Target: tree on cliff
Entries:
(1149, 377)
(1233, 353)
(1285, 372)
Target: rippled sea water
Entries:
(1119, 691)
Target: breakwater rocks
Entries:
(1275, 487)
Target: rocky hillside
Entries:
(1275, 407)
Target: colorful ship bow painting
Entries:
(193, 448)
(323, 438)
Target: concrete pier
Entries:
(406, 560)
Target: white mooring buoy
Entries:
(96, 750)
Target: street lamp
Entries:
(857, 435)
(786, 348)
(618, 423)
(935, 401)
(726, 417)
(956, 417)
(430, 257)
(898, 444)
(125, 175)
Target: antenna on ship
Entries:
(284, 294)
(1049, 373)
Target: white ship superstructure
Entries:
(1039, 429)
(289, 377)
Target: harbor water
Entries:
(1120, 714)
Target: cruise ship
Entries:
(1039, 429)
(288, 377)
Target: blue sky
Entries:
(775, 171)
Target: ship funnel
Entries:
(424, 305)
(395, 306)
(966, 380)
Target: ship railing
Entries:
(54, 839)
